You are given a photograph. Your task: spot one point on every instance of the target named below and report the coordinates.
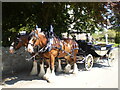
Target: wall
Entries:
(15, 63)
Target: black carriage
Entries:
(90, 52)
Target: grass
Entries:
(116, 45)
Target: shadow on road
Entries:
(20, 77)
(24, 76)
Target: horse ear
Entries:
(32, 30)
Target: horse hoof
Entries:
(49, 79)
(45, 77)
(68, 71)
(67, 68)
(41, 75)
(59, 70)
(75, 72)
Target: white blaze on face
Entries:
(11, 47)
(30, 47)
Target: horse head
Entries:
(38, 39)
(18, 42)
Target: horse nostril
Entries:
(29, 50)
(11, 51)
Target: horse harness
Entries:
(57, 44)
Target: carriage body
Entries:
(102, 49)
(98, 50)
(90, 53)
(94, 53)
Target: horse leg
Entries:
(68, 66)
(42, 70)
(52, 76)
(75, 68)
(50, 73)
(59, 68)
(52, 65)
(34, 68)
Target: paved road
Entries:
(100, 76)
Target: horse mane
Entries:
(42, 33)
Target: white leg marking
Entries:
(53, 73)
(34, 69)
(67, 68)
(75, 69)
(42, 70)
(11, 48)
(52, 76)
(48, 73)
(59, 68)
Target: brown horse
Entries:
(22, 41)
(19, 41)
(66, 48)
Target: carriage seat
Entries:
(100, 46)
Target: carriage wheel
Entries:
(111, 58)
(88, 62)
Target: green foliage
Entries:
(84, 16)
(117, 38)
(111, 33)
(115, 19)
(12, 30)
(101, 36)
(116, 45)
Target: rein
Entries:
(37, 53)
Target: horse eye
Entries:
(29, 38)
(16, 42)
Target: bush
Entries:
(101, 36)
(117, 38)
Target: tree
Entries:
(115, 15)
(115, 20)
(85, 17)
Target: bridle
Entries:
(40, 50)
(34, 39)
